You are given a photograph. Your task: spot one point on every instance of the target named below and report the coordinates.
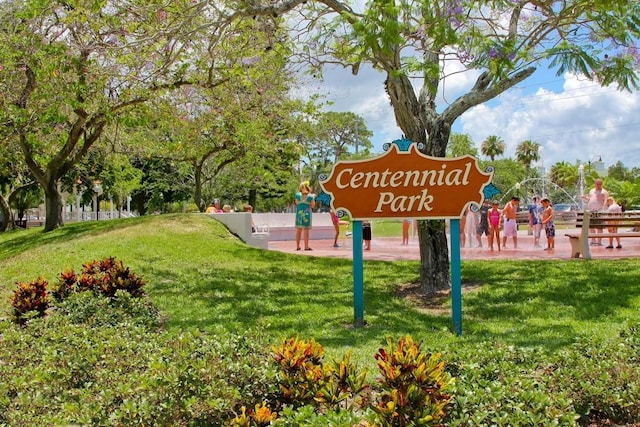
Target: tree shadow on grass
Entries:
(533, 303)
(289, 299)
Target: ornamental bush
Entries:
(106, 277)
(58, 371)
(414, 386)
(30, 299)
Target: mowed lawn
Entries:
(203, 278)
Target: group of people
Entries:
(599, 200)
(490, 220)
(214, 207)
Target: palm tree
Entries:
(564, 174)
(493, 146)
(527, 152)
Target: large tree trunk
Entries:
(414, 119)
(53, 206)
(434, 256)
(7, 215)
(432, 235)
(197, 192)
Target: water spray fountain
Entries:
(544, 181)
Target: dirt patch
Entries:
(433, 303)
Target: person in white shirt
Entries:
(596, 203)
(613, 208)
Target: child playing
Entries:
(366, 234)
(406, 225)
(613, 208)
(547, 224)
(336, 224)
(494, 215)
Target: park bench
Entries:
(627, 224)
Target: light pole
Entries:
(97, 188)
(581, 185)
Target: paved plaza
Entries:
(391, 249)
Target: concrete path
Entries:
(391, 249)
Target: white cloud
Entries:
(580, 122)
(573, 120)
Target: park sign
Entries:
(405, 183)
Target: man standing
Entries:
(510, 224)
(535, 221)
(596, 203)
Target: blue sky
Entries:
(571, 118)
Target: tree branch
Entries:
(483, 91)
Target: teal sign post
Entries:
(456, 278)
(358, 276)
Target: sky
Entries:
(573, 119)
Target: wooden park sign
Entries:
(404, 183)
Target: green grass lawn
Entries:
(205, 279)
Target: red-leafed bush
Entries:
(104, 277)
(30, 297)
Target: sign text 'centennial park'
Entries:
(404, 183)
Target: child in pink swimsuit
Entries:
(493, 215)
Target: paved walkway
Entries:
(391, 249)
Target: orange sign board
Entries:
(405, 184)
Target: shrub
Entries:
(29, 299)
(57, 372)
(500, 385)
(300, 370)
(67, 284)
(602, 378)
(414, 385)
(95, 310)
(345, 386)
(108, 276)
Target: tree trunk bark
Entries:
(53, 206)
(432, 235)
(253, 196)
(7, 215)
(414, 120)
(197, 193)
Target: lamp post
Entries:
(581, 185)
(97, 189)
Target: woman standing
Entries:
(305, 203)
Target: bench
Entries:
(588, 222)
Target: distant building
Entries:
(598, 166)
